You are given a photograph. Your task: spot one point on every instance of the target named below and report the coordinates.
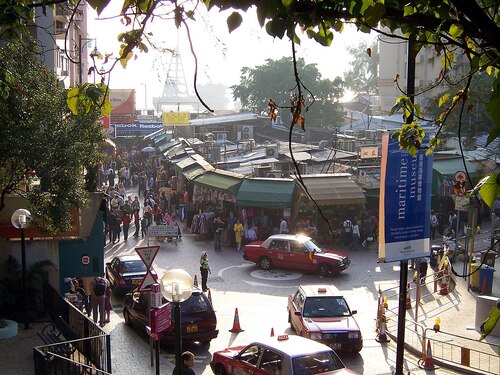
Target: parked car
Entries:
(125, 272)
(321, 313)
(285, 355)
(295, 252)
(198, 319)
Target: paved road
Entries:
(261, 300)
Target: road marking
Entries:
(253, 283)
(242, 265)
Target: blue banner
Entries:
(405, 203)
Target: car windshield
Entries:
(195, 303)
(133, 266)
(315, 307)
(316, 363)
(312, 245)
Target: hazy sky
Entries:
(220, 55)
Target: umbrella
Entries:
(148, 149)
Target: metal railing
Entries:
(93, 346)
(448, 350)
(48, 363)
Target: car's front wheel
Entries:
(265, 263)
(220, 370)
(126, 317)
(325, 269)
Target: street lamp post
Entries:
(176, 286)
(20, 219)
(94, 53)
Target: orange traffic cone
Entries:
(408, 300)
(195, 282)
(210, 296)
(272, 332)
(382, 335)
(236, 324)
(429, 362)
(444, 285)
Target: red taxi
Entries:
(281, 355)
(319, 312)
(295, 252)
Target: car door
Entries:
(297, 306)
(114, 266)
(249, 360)
(302, 258)
(139, 308)
(279, 253)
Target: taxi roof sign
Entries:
(321, 290)
(282, 337)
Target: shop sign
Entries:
(369, 152)
(163, 230)
(175, 118)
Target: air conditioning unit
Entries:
(272, 151)
(246, 132)
(221, 137)
(369, 134)
(303, 168)
(274, 174)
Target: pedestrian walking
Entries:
(137, 223)
(434, 224)
(218, 230)
(205, 270)
(187, 364)
(284, 226)
(355, 236)
(107, 304)
(238, 234)
(97, 299)
(347, 232)
(231, 221)
(126, 226)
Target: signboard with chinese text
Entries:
(368, 152)
(175, 118)
(405, 201)
(161, 318)
(163, 230)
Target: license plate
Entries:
(136, 282)
(336, 346)
(192, 328)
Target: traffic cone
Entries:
(444, 285)
(429, 362)
(382, 335)
(408, 299)
(236, 324)
(272, 332)
(195, 282)
(210, 296)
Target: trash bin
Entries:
(486, 279)
(474, 277)
(489, 256)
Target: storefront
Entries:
(216, 189)
(338, 196)
(268, 200)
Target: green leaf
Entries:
(494, 134)
(234, 21)
(456, 30)
(98, 5)
(443, 99)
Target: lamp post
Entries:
(21, 219)
(94, 53)
(176, 286)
